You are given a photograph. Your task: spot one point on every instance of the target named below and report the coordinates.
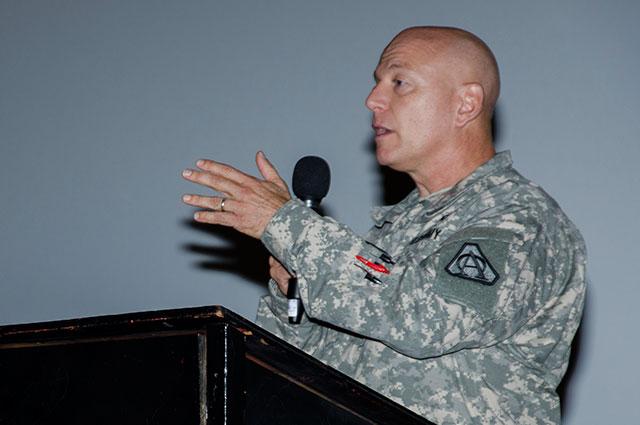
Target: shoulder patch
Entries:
(470, 263)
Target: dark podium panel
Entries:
(192, 366)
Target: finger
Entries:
(275, 263)
(279, 272)
(218, 183)
(282, 286)
(216, 217)
(224, 170)
(200, 201)
(273, 272)
(268, 171)
(211, 202)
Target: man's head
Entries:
(436, 89)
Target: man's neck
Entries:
(451, 166)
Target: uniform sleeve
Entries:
(472, 290)
(272, 315)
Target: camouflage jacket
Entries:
(461, 305)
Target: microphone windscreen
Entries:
(311, 178)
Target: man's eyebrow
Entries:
(390, 65)
(396, 64)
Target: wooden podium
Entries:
(191, 366)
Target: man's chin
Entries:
(384, 157)
(382, 161)
(390, 162)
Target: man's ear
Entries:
(470, 103)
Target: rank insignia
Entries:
(470, 263)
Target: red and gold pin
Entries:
(375, 266)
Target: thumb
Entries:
(268, 171)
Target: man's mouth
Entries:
(381, 131)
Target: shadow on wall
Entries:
(238, 254)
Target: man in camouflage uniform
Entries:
(462, 300)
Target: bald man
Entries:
(462, 300)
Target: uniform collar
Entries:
(440, 199)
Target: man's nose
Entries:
(376, 100)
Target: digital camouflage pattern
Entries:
(473, 321)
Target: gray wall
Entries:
(103, 103)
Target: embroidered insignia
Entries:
(384, 255)
(432, 233)
(470, 263)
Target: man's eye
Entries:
(398, 83)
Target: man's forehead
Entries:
(406, 54)
(409, 48)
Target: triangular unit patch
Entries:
(470, 263)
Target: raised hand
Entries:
(247, 204)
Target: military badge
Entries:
(470, 263)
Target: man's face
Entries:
(412, 104)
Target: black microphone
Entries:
(311, 180)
